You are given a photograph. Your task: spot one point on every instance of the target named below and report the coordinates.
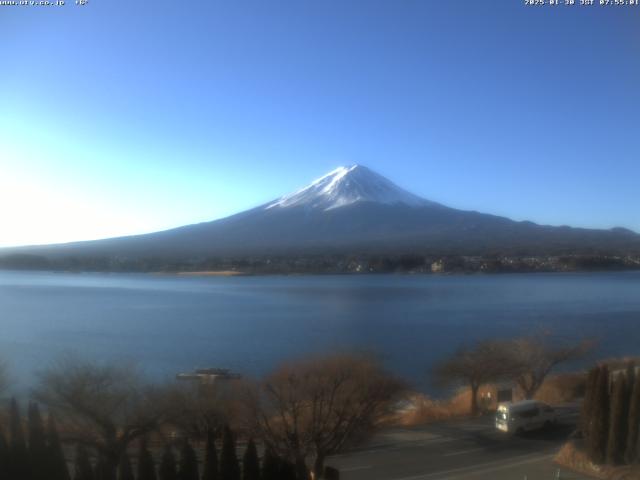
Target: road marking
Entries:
(478, 469)
(377, 449)
(396, 446)
(462, 452)
(475, 428)
(429, 443)
(503, 467)
(353, 469)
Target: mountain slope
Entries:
(352, 210)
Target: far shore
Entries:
(211, 273)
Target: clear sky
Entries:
(124, 117)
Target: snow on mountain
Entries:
(345, 186)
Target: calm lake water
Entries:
(169, 324)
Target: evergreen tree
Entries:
(631, 376)
(57, 464)
(270, 465)
(229, 466)
(38, 452)
(287, 471)
(250, 462)
(597, 439)
(101, 470)
(146, 465)
(210, 470)
(586, 413)
(331, 473)
(618, 421)
(300, 469)
(188, 463)
(83, 468)
(634, 422)
(18, 461)
(125, 471)
(168, 470)
(4, 456)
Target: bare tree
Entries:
(202, 409)
(104, 407)
(534, 357)
(485, 362)
(308, 410)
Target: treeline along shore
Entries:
(330, 264)
(95, 421)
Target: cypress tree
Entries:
(210, 470)
(83, 468)
(634, 422)
(188, 463)
(597, 439)
(631, 376)
(101, 470)
(300, 469)
(586, 413)
(18, 464)
(270, 465)
(229, 466)
(57, 464)
(125, 471)
(250, 462)
(637, 456)
(618, 421)
(4, 456)
(168, 470)
(287, 471)
(106, 468)
(146, 465)
(38, 452)
(331, 473)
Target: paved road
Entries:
(460, 450)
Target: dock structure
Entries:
(208, 376)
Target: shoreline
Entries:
(206, 273)
(236, 273)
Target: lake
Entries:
(169, 324)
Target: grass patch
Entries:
(420, 409)
(573, 456)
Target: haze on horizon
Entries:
(122, 118)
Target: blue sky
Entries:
(124, 117)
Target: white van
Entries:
(522, 416)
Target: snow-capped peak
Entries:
(345, 186)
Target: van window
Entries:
(528, 413)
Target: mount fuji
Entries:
(346, 186)
(351, 210)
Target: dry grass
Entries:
(572, 456)
(562, 388)
(424, 409)
(421, 409)
(624, 473)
